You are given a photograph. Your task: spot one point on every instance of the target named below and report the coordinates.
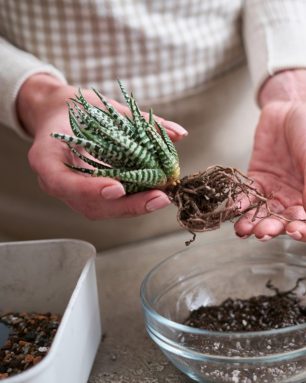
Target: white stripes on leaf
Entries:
(132, 149)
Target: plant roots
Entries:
(206, 199)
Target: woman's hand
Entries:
(41, 107)
(278, 162)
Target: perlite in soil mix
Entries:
(279, 310)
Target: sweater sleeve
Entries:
(275, 37)
(16, 66)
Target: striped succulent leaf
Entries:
(127, 148)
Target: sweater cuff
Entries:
(15, 68)
(275, 37)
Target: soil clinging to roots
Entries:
(206, 199)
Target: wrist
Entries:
(32, 100)
(285, 86)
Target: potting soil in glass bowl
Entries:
(222, 276)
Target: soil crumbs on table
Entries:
(31, 335)
(258, 313)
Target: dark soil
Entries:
(258, 313)
(30, 338)
(264, 312)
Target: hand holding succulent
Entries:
(42, 110)
(139, 153)
(130, 150)
(143, 159)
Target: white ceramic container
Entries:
(55, 276)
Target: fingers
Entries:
(99, 197)
(272, 226)
(138, 204)
(254, 222)
(57, 180)
(65, 184)
(93, 197)
(259, 222)
(127, 206)
(176, 132)
(297, 230)
(245, 225)
(268, 228)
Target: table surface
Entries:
(127, 354)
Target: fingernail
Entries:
(265, 238)
(242, 236)
(157, 203)
(176, 128)
(113, 192)
(295, 235)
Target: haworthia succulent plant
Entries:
(130, 149)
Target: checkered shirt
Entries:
(160, 49)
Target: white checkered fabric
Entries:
(160, 49)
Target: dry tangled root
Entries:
(206, 199)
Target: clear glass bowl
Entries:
(208, 274)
